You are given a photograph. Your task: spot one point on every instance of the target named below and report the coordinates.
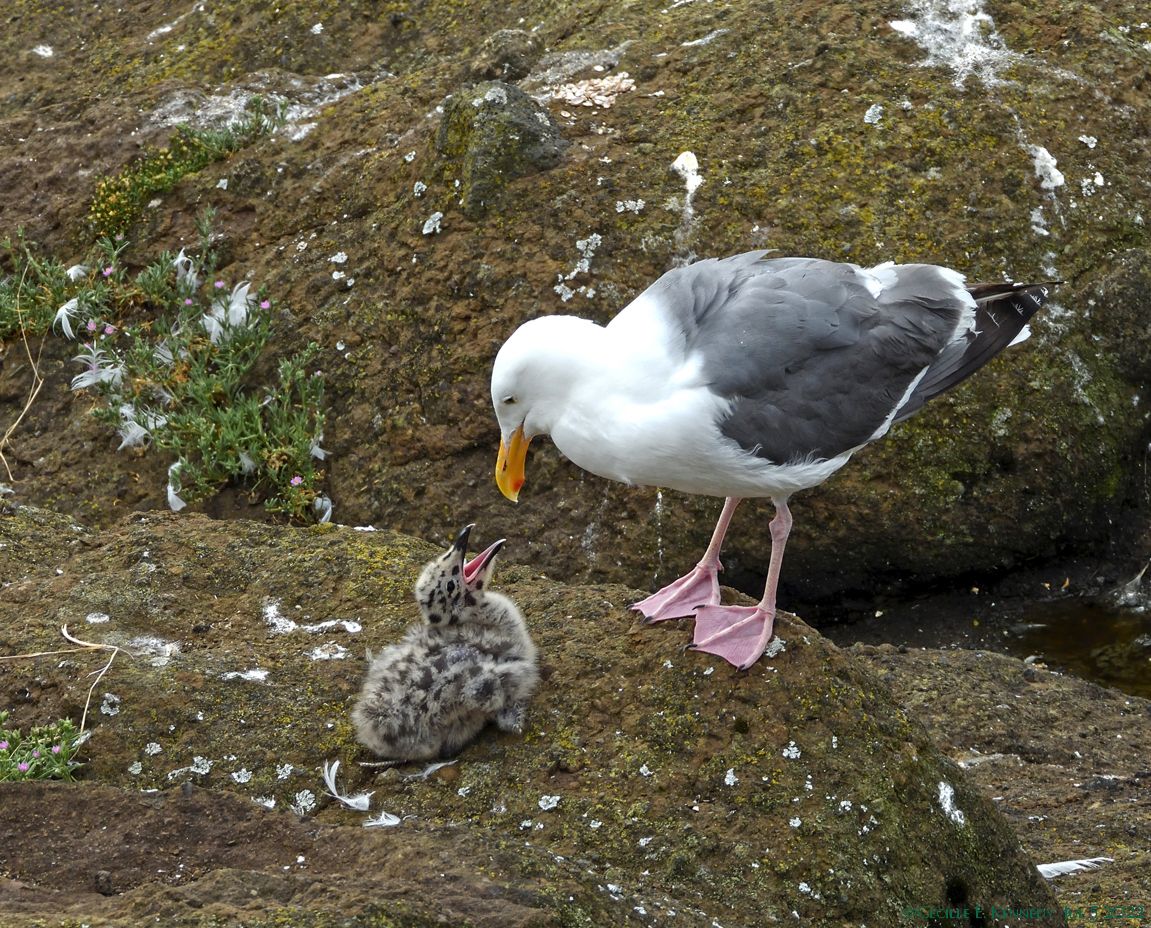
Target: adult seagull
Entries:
(745, 377)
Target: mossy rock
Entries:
(491, 135)
(648, 780)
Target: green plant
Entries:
(172, 353)
(31, 287)
(47, 752)
(120, 199)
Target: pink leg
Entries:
(739, 634)
(699, 587)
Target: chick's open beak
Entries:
(510, 464)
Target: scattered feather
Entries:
(383, 820)
(101, 369)
(77, 272)
(359, 801)
(429, 770)
(1064, 867)
(186, 276)
(174, 501)
(323, 508)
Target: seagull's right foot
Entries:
(682, 598)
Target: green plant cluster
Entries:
(31, 287)
(172, 353)
(47, 752)
(120, 199)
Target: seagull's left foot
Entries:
(738, 634)
(682, 597)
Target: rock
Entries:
(1119, 304)
(1010, 157)
(491, 135)
(1065, 761)
(648, 779)
(506, 55)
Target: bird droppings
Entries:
(152, 748)
(432, 224)
(687, 166)
(332, 651)
(110, 705)
(158, 652)
(792, 752)
(1050, 177)
(547, 803)
(959, 35)
(97, 618)
(255, 675)
(279, 624)
(44, 51)
(947, 803)
(729, 778)
(874, 114)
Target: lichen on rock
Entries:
(490, 135)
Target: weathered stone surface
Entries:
(1064, 759)
(506, 55)
(491, 135)
(821, 129)
(648, 780)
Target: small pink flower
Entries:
(108, 270)
(91, 326)
(55, 749)
(35, 753)
(219, 285)
(296, 481)
(265, 304)
(3, 745)
(22, 767)
(109, 330)
(187, 301)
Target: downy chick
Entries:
(469, 662)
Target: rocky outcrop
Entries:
(648, 781)
(996, 141)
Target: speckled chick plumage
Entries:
(470, 661)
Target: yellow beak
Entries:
(510, 464)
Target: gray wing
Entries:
(811, 361)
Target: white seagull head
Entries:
(534, 374)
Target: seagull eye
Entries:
(509, 401)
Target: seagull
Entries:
(745, 377)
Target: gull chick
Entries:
(470, 661)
